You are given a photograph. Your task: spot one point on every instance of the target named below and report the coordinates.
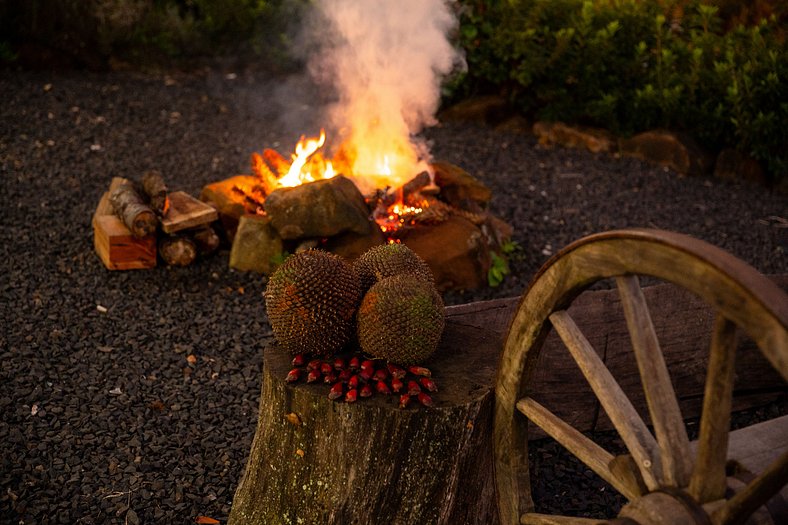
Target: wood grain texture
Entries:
(708, 480)
(533, 518)
(114, 243)
(630, 426)
(185, 212)
(767, 483)
(592, 455)
(719, 279)
(370, 462)
(657, 387)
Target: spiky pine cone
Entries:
(311, 300)
(401, 320)
(388, 260)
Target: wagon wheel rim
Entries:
(743, 299)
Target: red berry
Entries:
(366, 391)
(382, 388)
(368, 365)
(293, 375)
(299, 360)
(381, 374)
(353, 382)
(345, 374)
(330, 379)
(396, 371)
(420, 371)
(425, 399)
(326, 368)
(335, 392)
(429, 384)
(404, 399)
(396, 384)
(351, 395)
(339, 363)
(366, 374)
(355, 362)
(314, 363)
(313, 376)
(413, 388)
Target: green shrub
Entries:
(146, 32)
(632, 65)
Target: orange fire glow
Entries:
(369, 171)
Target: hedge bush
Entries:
(144, 33)
(633, 65)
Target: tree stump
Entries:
(370, 462)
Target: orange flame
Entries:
(302, 170)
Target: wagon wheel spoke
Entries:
(628, 423)
(592, 455)
(533, 518)
(737, 509)
(708, 477)
(662, 403)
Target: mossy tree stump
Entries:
(371, 462)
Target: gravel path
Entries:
(104, 420)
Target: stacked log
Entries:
(133, 219)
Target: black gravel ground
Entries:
(104, 419)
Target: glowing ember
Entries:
(395, 208)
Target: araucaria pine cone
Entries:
(311, 301)
(401, 320)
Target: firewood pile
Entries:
(137, 223)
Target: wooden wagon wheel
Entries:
(665, 482)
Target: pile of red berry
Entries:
(358, 376)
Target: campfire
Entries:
(351, 201)
(395, 206)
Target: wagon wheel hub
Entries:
(665, 506)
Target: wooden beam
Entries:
(628, 423)
(660, 396)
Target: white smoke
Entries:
(385, 60)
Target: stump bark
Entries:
(370, 462)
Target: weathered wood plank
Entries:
(708, 480)
(592, 455)
(661, 399)
(186, 212)
(630, 426)
(683, 325)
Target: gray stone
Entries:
(318, 209)
(256, 246)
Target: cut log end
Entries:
(129, 206)
(156, 190)
(177, 250)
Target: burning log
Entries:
(267, 177)
(154, 186)
(130, 207)
(177, 250)
(407, 191)
(278, 164)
